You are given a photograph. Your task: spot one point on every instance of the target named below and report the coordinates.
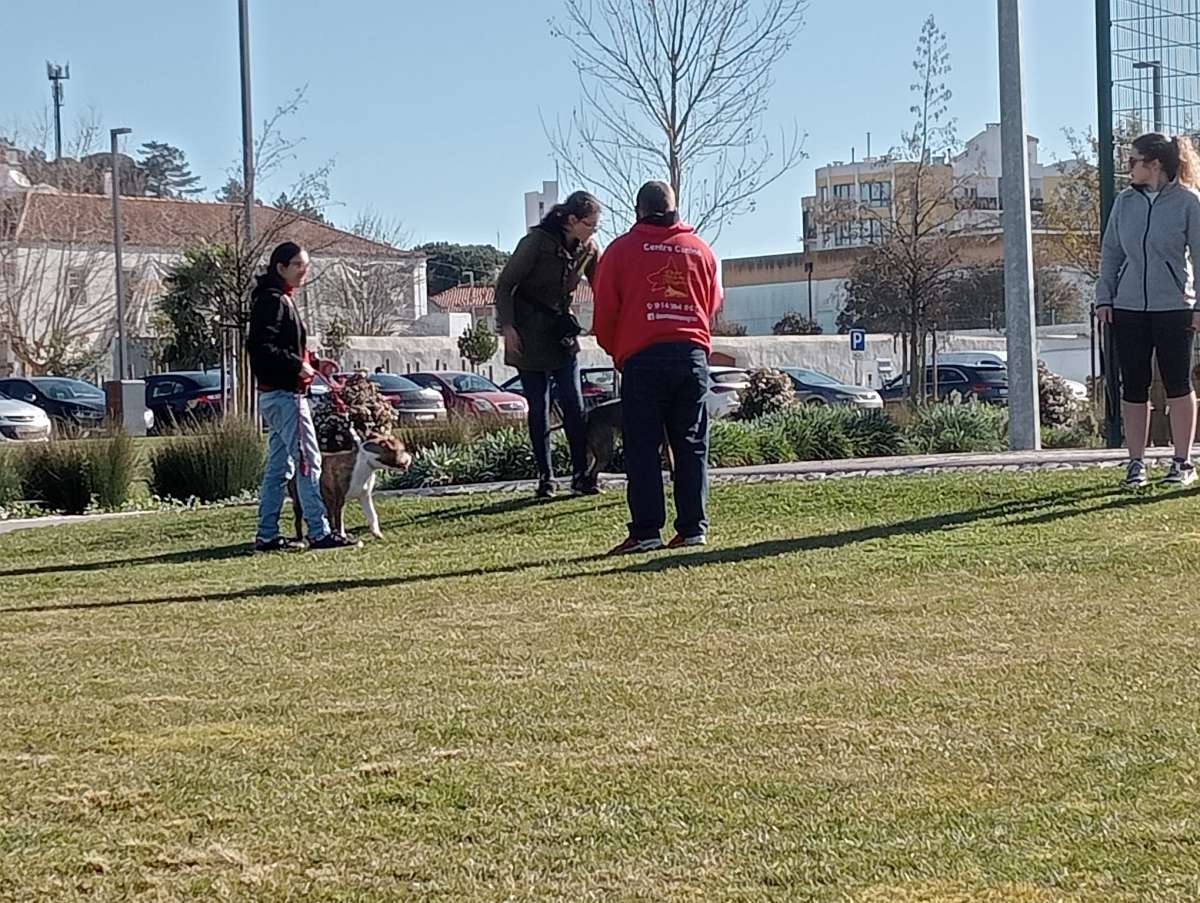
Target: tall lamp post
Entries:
(118, 247)
(808, 270)
(1156, 70)
(1023, 430)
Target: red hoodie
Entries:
(655, 284)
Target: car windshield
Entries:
(389, 382)
(4, 397)
(727, 376)
(471, 382)
(813, 377)
(68, 389)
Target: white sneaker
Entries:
(1135, 474)
(1181, 473)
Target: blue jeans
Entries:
(569, 392)
(291, 450)
(663, 388)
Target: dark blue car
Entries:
(988, 384)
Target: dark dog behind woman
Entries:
(533, 308)
(1147, 293)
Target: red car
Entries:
(471, 395)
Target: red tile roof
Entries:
(173, 223)
(467, 298)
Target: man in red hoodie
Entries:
(656, 292)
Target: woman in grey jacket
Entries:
(1147, 292)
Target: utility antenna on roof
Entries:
(57, 75)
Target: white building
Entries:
(57, 267)
(538, 203)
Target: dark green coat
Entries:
(536, 286)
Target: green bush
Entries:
(505, 454)
(947, 428)
(768, 392)
(815, 432)
(11, 462)
(732, 444)
(115, 466)
(1057, 405)
(872, 434)
(218, 461)
(59, 475)
(772, 445)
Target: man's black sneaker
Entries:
(278, 544)
(335, 541)
(545, 490)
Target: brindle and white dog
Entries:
(351, 474)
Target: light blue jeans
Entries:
(291, 450)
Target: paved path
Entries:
(899, 465)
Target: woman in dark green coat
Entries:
(533, 309)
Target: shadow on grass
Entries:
(1027, 511)
(1030, 512)
(295, 589)
(184, 556)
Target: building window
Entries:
(844, 235)
(824, 193)
(76, 287)
(843, 192)
(8, 274)
(873, 231)
(875, 194)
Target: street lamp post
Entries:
(808, 271)
(1156, 86)
(1023, 429)
(118, 247)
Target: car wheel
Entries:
(816, 401)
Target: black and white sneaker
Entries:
(278, 544)
(1181, 473)
(1135, 474)
(335, 541)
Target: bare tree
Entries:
(904, 281)
(57, 291)
(372, 296)
(677, 88)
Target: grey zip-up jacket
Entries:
(1145, 262)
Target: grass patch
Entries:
(955, 688)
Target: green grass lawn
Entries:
(959, 688)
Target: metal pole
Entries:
(1023, 428)
(1104, 106)
(808, 269)
(1157, 87)
(1155, 67)
(247, 192)
(118, 247)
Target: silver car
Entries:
(22, 422)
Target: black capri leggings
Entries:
(1139, 334)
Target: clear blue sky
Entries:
(431, 110)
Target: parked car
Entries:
(988, 384)
(183, 397)
(815, 387)
(21, 421)
(471, 395)
(411, 402)
(599, 384)
(73, 406)
(725, 387)
(1000, 359)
